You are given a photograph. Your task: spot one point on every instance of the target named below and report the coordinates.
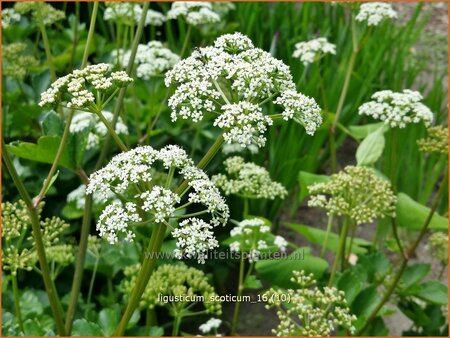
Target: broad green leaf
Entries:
(32, 327)
(306, 179)
(414, 274)
(279, 271)
(412, 215)
(52, 124)
(30, 304)
(108, 319)
(371, 148)
(376, 265)
(360, 132)
(352, 282)
(81, 327)
(317, 236)
(44, 151)
(434, 292)
(252, 283)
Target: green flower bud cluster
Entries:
(19, 249)
(438, 246)
(40, 11)
(309, 310)
(16, 63)
(174, 280)
(356, 192)
(436, 142)
(248, 180)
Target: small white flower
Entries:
(211, 324)
(397, 109)
(375, 12)
(194, 238)
(130, 14)
(9, 17)
(281, 243)
(310, 51)
(195, 12)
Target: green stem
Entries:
(350, 246)
(186, 40)
(239, 294)
(407, 257)
(36, 227)
(90, 35)
(150, 319)
(91, 284)
(325, 241)
(340, 251)
(112, 132)
(17, 312)
(48, 53)
(143, 277)
(393, 161)
(246, 208)
(176, 325)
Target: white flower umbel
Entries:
(312, 50)
(84, 120)
(78, 196)
(248, 180)
(129, 176)
(9, 17)
(375, 12)
(397, 109)
(211, 325)
(253, 236)
(194, 12)
(85, 89)
(243, 123)
(114, 221)
(130, 13)
(229, 73)
(40, 11)
(194, 239)
(152, 59)
(302, 109)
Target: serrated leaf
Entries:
(371, 148)
(108, 319)
(360, 132)
(434, 292)
(52, 124)
(81, 327)
(412, 215)
(252, 283)
(414, 274)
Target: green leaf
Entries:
(279, 271)
(108, 319)
(44, 151)
(376, 265)
(52, 180)
(414, 274)
(352, 282)
(371, 148)
(434, 292)
(306, 179)
(81, 327)
(31, 327)
(360, 132)
(52, 124)
(412, 215)
(317, 236)
(252, 283)
(30, 304)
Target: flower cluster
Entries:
(97, 130)
(75, 90)
(9, 17)
(375, 12)
(310, 51)
(436, 142)
(248, 180)
(243, 123)
(356, 192)
(194, 12)
(77, 197)
(15, 62)
(41, 12)
(19, 249)
(438, 246)
(235, 74)
(130, 13)
(211, 325)
(311, 312)
(302, 109)
(253, 236)
(397, 109)
(194, 238)
(152, 59)
(173, 280)
(129, 171)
